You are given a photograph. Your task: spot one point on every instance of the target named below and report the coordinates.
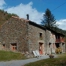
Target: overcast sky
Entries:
(36, 9)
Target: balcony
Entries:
(59, 40)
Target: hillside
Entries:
(59, 30)
(4, 16)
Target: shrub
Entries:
(58, 50)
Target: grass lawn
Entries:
(8, 55)
(60, 61)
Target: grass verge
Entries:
(8, 55)
(60, 61)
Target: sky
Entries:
(36, 9)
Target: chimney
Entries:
(27, 16)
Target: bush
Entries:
(58, 50)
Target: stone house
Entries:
(18, 34)
(60, 41)
(22, 35)
(54, 41)
(50, 41)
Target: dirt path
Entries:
(22, 62)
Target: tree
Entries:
(48, 19)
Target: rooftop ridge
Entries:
(20, 18)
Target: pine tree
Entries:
(48, 19)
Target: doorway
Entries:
(41, 48)
(13, 46)
(57, 45)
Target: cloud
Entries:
(2, 3)
(62, 24)
(22, 9)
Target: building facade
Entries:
(22, 35)
(50, 41)
(26, 36)
(60, 41)
(54, 40)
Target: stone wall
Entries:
(23, 34)
(34, 37)
(14, 31)
(50, 41)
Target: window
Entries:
(49, 45)
(13, 46)
(40, 35)
(3, 45)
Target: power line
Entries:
(59, 6)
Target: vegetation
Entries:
(50, 22)
(58, 50)
(59, 30)
(8, 55)
(60, 61)
(4, 16)
(48, 19)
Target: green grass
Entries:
(60, 61)
(8, 55)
